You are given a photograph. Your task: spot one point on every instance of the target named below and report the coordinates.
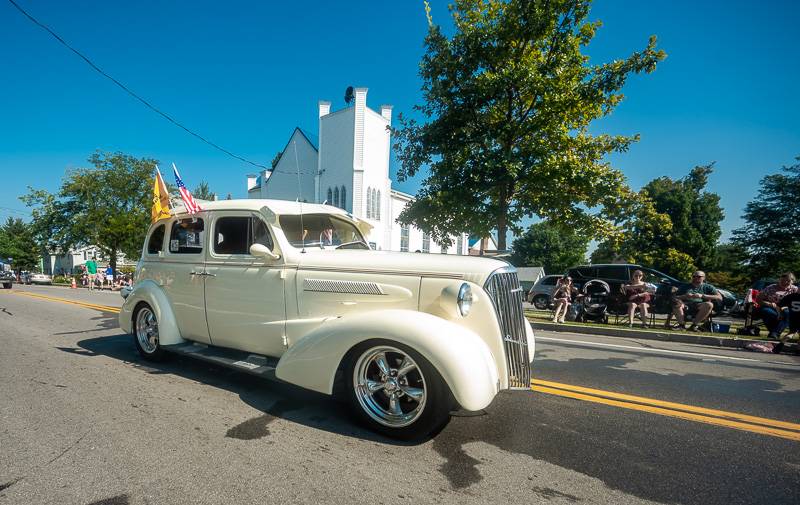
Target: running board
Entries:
(254, 364)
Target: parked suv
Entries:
(618, 274)
(541, 292)
(293, 290)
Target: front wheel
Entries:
(6, 285)
(145, 333)
(395, 391)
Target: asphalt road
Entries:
(83, 420)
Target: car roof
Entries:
(278, 207)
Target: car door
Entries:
(181, 275)
(245, 305)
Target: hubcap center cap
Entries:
(390, 385)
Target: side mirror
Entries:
(262, 251)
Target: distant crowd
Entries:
(93, 277)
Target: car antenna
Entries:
(299, 198)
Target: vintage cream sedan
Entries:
(292, 290)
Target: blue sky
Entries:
(244, 74)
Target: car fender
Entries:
(460, 356)
(151, 293)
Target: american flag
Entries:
(191, 206)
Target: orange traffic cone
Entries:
(74, 286)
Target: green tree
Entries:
(17, 242)
(546, 244)
(202, 192)
(508, 102)
(729, 269)
(771, 220)
(107, 206)
(674, 227)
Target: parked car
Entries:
(618, 274)
(258, 286)
(541, 292)
(35, 278)
(7, 278)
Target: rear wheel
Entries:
(395, 391)
(6, 285)
(145, 333)
(541, 301)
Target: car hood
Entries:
(471, 268)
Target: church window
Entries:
(330, 196)
(426, 243)
(404, 229)
(460, 244)
(369, 203)
(343, 198)
(378, 206)
(336, 197)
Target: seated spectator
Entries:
(698, 298)
(637, 296)
(792, 303)
(774, 316)
(562, 297)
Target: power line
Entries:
(16, 211)
(127, 90)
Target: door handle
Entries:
(196, 273)
(209, 275)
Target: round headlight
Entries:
(464, 299)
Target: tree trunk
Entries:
(113, 260)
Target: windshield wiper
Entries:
(351, 243)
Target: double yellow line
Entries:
(104, 308)
(734, 420)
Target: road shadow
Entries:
(652, 457)
(275, 399)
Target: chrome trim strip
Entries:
(441, 275)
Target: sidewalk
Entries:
(723, 340)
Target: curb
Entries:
(671, 336)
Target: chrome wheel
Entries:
(147, 330)
(389, 386)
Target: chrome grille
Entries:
(506, 294)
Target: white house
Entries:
(347, 165)
(59, 263)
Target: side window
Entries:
(587, 272)
(186, 236)
(156, 243)
(235, 234)
(619, 272)
(549, 281)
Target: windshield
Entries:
(321, 230)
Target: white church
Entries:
(347, 165)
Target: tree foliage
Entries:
(17, 242)
(508, 101)
(729, 269)
(203, 192)
(107, 205)
(674, 227)
(771, 222)
(547, 245)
